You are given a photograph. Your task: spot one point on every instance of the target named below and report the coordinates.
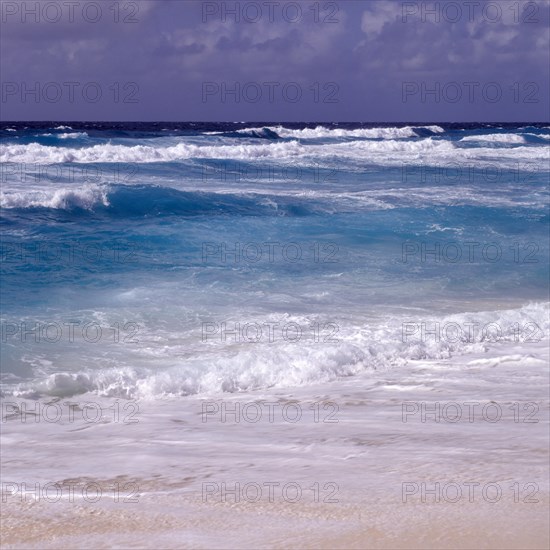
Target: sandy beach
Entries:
(350, 473)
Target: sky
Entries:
(347, 60)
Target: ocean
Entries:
(159, 272)
(154, 259)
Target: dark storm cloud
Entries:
(346, 60)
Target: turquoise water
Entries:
(166, 240)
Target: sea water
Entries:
(346, 310)
(144, 260)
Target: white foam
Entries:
(63, 199)
(145, 153)
(542, 136)
(498, 138)
(72, 135)
(322, 132)
(235, 367)
(387, 152)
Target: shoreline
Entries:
(181, 452)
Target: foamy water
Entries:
(154, 278)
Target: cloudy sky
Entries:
(347, 60)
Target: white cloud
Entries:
(377, 15)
